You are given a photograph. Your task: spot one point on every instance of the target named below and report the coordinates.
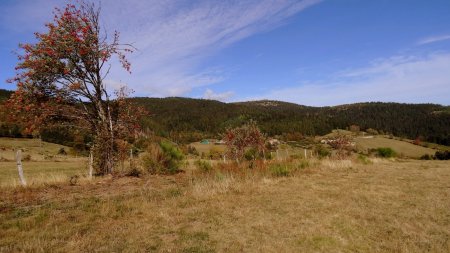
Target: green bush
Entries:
(426, 157)
(134, 172)
(386, 152)
(203, 166)
(251, 154)
(192, 150)
(164, 158)
(62, 151)
(322, 151)
(442, 155)
(364, 159)
(279, 170)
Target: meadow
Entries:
(339, 206)
(358, 204)
(403, 148)
(42, 163)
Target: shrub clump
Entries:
(203, 166)
(163, 158)
(322, 151)
(442, 155)
(62, 151)
(364, 159)
(385, 152)
(279, 170)
(426, 157)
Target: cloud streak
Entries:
(225, 96)
(409, 79)
(434, 39)
(174, 37)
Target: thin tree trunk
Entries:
(105, 139)
(19, 167)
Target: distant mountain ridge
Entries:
(189, 118)
(174, 114)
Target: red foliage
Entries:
(248, 135)
(60, 79)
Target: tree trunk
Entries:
(104, 151)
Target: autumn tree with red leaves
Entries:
(247, 136)
(60, 80)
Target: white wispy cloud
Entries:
(433, 39)
(174, 37)
(224, 96)
(410, 79)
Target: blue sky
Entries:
(308, 52)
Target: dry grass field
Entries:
(402, 148)
(324, 206)
(41, 172)
(43, 165)
(205, 148)
(36, 149)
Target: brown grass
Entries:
(37, 150)
(402, 148)
(328, 206)
(43, 166)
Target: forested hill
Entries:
(184, 115)
(188, 119)
(5, 94)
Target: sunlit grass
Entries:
(322, 206)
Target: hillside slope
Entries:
(187, 119)
(430, 121)
(5, 94)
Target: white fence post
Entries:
(19, 167)
(91, 163)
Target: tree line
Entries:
(186, 120)
(177, 117)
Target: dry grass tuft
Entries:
(336, 164)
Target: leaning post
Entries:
(91, 162)
(20, 168)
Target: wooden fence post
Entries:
(19, 167)
(131, 159)
(91, 163)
